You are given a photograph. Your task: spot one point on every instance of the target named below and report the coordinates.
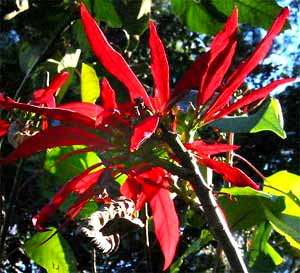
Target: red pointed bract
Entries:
(200, 147)
(79, 184)
(252, 97)
(4, 125)
(242, 71)
(159, 68)
(220, 57)
(166, 224)
(111, 59)
(54, 137)
(46, 96)
(108, 95)
(143, 131)
(65, 115)
(231, 174)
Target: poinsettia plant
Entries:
(155, 145)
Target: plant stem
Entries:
(212, 211)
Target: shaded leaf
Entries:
(55, 255)
(247, 208)
(105, 11)
(197, 245)
(258, 13)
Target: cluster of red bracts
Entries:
(144, 183)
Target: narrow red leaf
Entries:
(166, 224)
(252, 97)
(111, 59)
(242, 71)
(108, 95)
(200, 147)
(159, 68)
(65, 115)
(55, 137)
(143, 131)
(81, 184)
(232, 174)
(221, 53)
(46, 96)
(90, 110)
(192, 77)
(4, 125)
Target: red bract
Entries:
(150, 185)
(209, 70)
(46, 95)
(55, 137)
(4, 125)
(82, 184)
(117, 66)
(230, 174)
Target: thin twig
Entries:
(250, 165)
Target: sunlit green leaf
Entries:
(90, 89)
(144, 9)
(267, 118)
(287, 185)
(55, 255)
(272, 120)
(71, 166)
(243, 207)
(69, 60)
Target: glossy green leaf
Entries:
(272, 120)
(244, 207)
(267, 118)
(287, 185)
(29, 54)
(105, 11)
(257, 13)
(204, 239)
(71, 166)
(198, 16)
(90, 89)
(55, 255)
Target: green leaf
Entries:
(204, 239)
(197, 16)
(90, 89)
(245, 209)
(55, 255)
(71, 166)
(261, 246)
(28, 55)
(105, 10)
(272, 120)
(267, 118)
(258, 13)
(287, 185)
